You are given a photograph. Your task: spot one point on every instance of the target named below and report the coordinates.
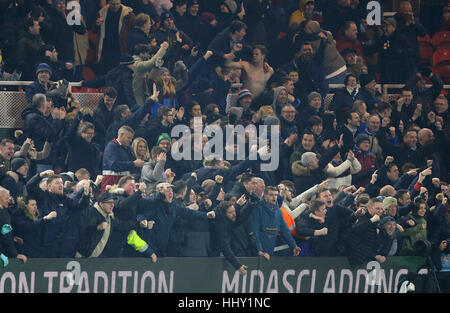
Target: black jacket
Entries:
(16, 189)
(121, 78)
(396, 63)
(133, 121)
(60, 234)
(403, 154)
(220, 45)
(221, 232)
(137, 36)
(343, 102)
(38, 128)
(82, 154)
(7, 246)
(308, 178)
(28, 55)
(102, 119)
(164, 215)
(91, 236)
(125, 208)
(362, 243)
(30, 229)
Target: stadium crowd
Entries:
(364, 176)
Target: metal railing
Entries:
(12, 103)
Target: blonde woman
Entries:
(140, 148)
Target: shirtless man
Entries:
(257, 73)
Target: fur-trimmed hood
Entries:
(23, 206)
(115, 190)
(299, 169)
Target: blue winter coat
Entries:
(267, 222)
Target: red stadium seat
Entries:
(443, 72)
(426, 53)
(441, 57)
(425, 39)
(441, 40)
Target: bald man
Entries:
(7, 247)
(387, 191)
(425, 136)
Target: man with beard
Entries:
(267, 222)
(287, 121)
(308, 64)
(59, 237)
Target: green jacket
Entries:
(141, 69)
(412, 235)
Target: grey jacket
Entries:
(153, 173)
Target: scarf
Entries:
(353, 91)
(104, 240)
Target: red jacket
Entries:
(367, 160)
(343, 43)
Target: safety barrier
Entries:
(206, 275)
(12, 103)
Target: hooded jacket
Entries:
(267, 222)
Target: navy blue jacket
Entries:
(38, 128)
(164, 215)
(56, 232)
(118, 158)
